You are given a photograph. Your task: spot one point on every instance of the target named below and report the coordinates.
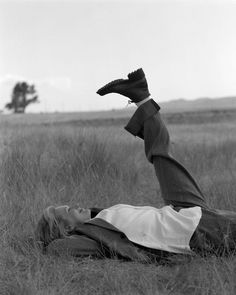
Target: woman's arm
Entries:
(75, 245)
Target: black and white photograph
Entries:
(117, 147)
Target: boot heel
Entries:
(136, 75)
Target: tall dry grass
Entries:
(101, 167)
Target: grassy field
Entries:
(58, 159)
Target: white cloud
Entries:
(51, 90)
(11, 78)
(61, 83)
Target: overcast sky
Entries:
(71, 48)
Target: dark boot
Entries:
(135, 87)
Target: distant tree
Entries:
(22, 95)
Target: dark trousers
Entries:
(178, 187)
(216, 232)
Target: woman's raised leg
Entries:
(177, 185)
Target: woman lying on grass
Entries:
(185, 225)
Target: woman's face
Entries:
(71, 216)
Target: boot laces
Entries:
(129, 102)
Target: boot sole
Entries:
(132, 77)
(136, 75)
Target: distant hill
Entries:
(181, 105)
(200, 104)
(175, 111)
(184, 105)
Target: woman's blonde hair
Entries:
(49, 228)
